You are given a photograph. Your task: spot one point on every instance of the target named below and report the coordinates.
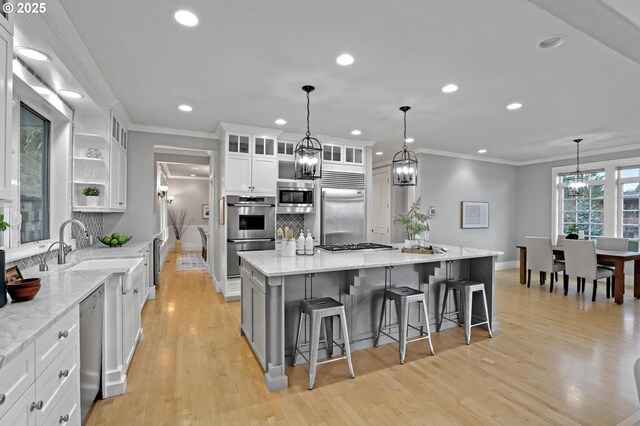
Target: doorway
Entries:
(381, 221)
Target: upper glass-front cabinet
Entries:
(286, 147)
(332, 153)
(6, 18)
(353, 155)
(238, 144)
(251, 145)
(264, 146)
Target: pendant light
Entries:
(308, 153)
(577, 181)
(405, 162)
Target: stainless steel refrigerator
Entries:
(342, 216)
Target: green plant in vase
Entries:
(3, 227)
(91, 194)
(572, 232)
(414, 223)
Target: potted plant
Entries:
(91, 194)
(3, 227)
(572, 232)
(414, 223)
(179, 224)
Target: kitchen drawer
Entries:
(257, 278)
(67, 410)
(22, 413)
(16, 377)
(54, 340)
(62, 371)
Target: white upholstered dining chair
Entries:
(540, 258)
(581, 261)
(613, 244)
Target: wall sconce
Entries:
(162, 191)
(170, 199)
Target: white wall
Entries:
(190, 195)
(445, 182)
(140, 218)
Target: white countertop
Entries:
(271, 263)
(60, 291)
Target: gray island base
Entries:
(274, 286)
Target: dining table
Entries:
(618, 258)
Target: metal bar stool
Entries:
(403, 297)
(465, 289)
(321, 311)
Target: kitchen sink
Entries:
(93, 264)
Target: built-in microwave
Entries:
(295, 197)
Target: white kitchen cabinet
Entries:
(23, 412)
(131, 318)
(253, 311)
(264, 175)
(238, 174)
(6, 19)
(286, 148)
(16, 379)
(6, 76)
(332, 153)
(263, 146)
(250, 164)
(353, 155)
(238, 144)
(117, 177)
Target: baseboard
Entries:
(217, 285)
(115, 384)
(152, 293)
(511, 264)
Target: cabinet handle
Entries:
(3, 397)
(145, 264)
(135, 291)
(64, 419)
(120, 203)
(62, 374)
(62, 334)
(36, 405)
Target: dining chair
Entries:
(581, 261)
(203, 237)
(540, 258)
(613, 244)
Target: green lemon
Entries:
(106, 239)
(114, 242)
(115, 236)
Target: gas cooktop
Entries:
(354, 247)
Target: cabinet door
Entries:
(264, 146)
(238, 174)
(245, 314)
(114, 171)
(238, 144)
(332, 153)
(259, 324)
(128, 323)
(21, 413)
(122, 179)
(264, 175)
(6, 74)
(353, 155)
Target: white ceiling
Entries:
(246, 60)
(185, 170)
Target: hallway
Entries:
(546, 365)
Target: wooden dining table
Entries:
(618, 258)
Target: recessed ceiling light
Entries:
(356, 132)
(185, 108)
(281, 121)
(34, 54)
(515, 105)
(185, 17)
(482, 151)
(553, 41)
(192, 175)
(450, 88)
(409, 140)
(345, 59)
(379, 153)
(70, 94)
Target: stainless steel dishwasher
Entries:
(91, 319)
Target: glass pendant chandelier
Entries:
(405, 162)
(577, 181)
(308, 153)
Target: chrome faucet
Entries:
(43, 264)
(62, 254)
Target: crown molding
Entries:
(171, 131)
(465, 156)
(583, 154)
(327, 139)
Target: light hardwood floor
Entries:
(556, 360)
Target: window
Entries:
(34, 175)
(629, 205)
(586, 212)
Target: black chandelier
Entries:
(577, 181)
(308, 153)
(405, 162)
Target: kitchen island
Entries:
(273, 286)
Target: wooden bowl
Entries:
(23, 290)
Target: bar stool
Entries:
(465, 289)
(324, 308)
(403, 297)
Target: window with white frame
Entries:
(629, 205)
(587, 212)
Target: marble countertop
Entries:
(271, 263)
(61, 290)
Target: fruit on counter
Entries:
(115, 240)
(115, 235)
(106, 240)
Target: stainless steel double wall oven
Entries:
(251, 225)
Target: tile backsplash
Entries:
(293, 221)
(93, 223)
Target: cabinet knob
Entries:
(64, 419)
(62, 374)
(62, 334)
(36, 405)
(3, 398)
(120, 203)
(135, 291)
